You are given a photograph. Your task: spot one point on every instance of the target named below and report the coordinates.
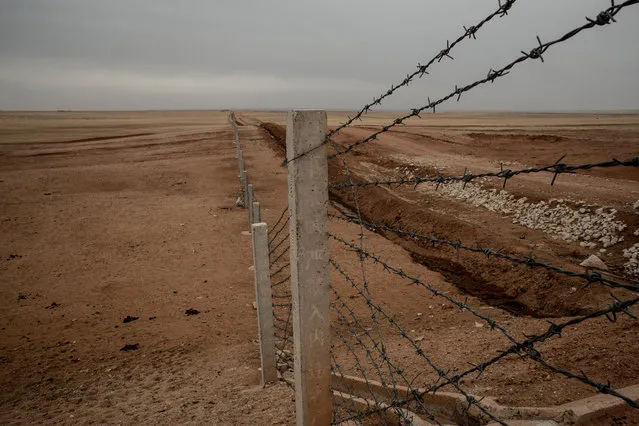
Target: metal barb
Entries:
(555, 168)
(535, 53)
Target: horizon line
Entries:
(560, 111)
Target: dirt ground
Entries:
(521, 298)
(111, 215)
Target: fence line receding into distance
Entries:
(352, 358)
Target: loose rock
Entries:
(631, 267)
(133, 347)
(593, 262)
(570, 221)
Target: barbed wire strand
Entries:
(288, 333)
(617, 307)
(362, 371)
(282, 296)
(461, 305)
(441, 373)
(279, 220)
(335, 368)
(284, 239)
(380, 350)
(556, 168)
(284, 281)
(279, 231)
(359, 367)
(282, 326)
(282, 254)
(603, 18)
(592, 277)
(354, 193)
(279, 319)
(280, 270)
(469, 33)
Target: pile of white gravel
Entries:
(593, 226)
(631, 267)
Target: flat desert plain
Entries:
(120, 230)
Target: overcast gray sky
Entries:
(281, 54)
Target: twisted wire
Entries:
(603, 18)
(590, 277)
(469, 33)
(556, 168)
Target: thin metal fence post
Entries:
(308, 202)
(264, 302)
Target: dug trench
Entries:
(519, 289)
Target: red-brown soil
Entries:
(116, 226)
(518, 296)
(109, 215)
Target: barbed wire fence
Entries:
(241, 200)
(525, 348)
(272, 269)
(380, 372)
(279, 270)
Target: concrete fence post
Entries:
(308, 202)
(244, 178)
(240, 158)
(257, 215)
(249, 204)
(242, 166)
(264, 302)
(238, 148)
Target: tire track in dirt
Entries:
(106, 148)
(111, 150)
(93, 139)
